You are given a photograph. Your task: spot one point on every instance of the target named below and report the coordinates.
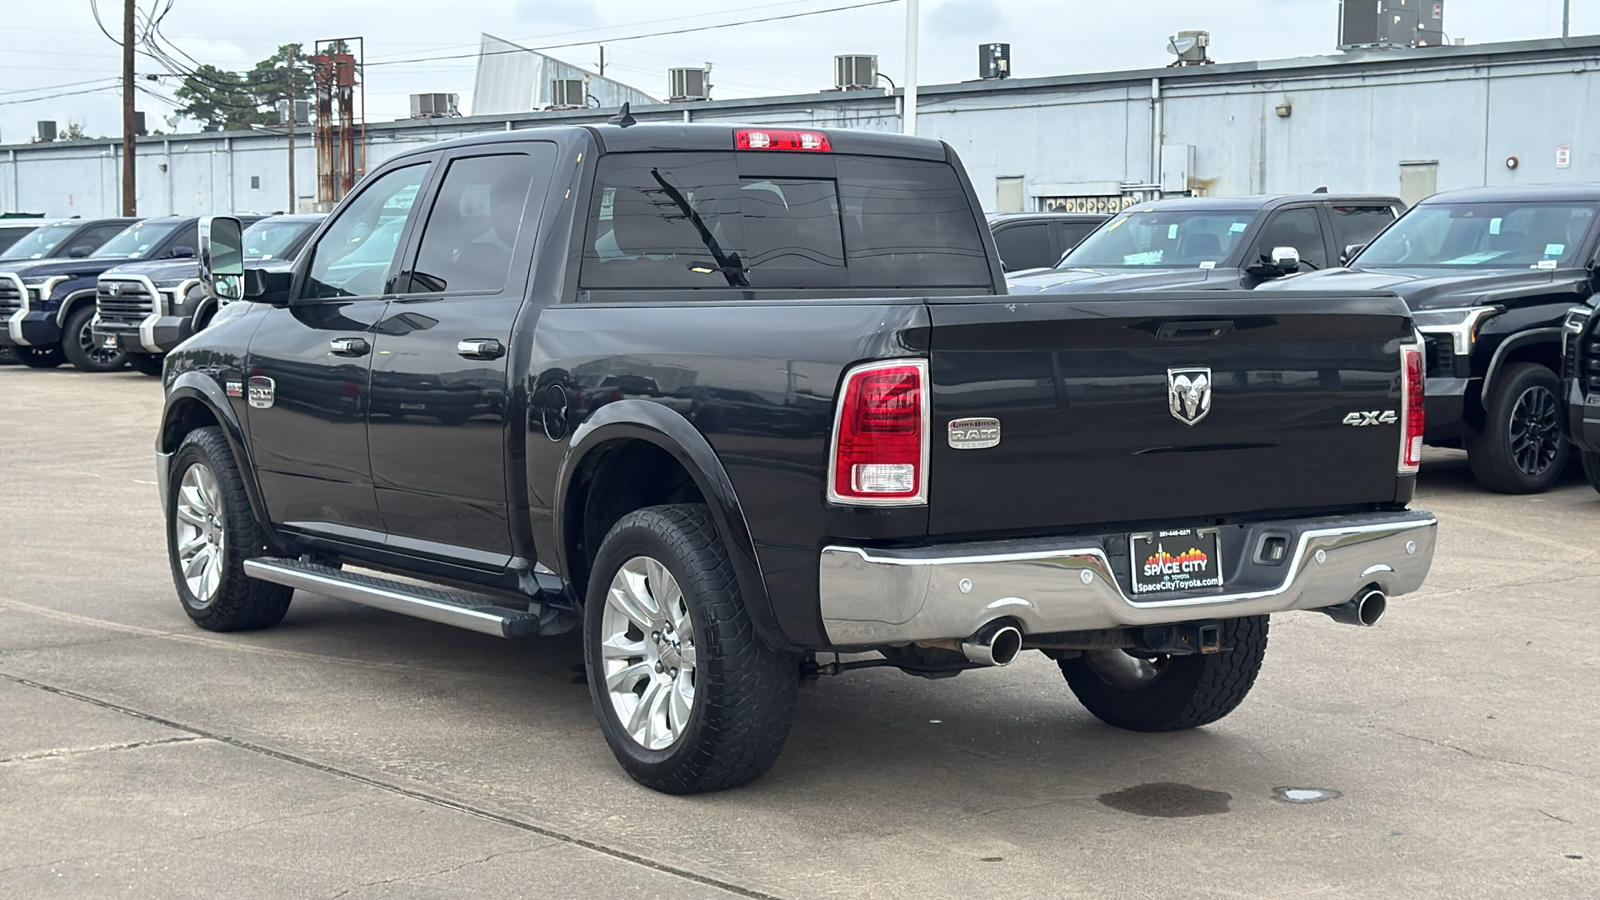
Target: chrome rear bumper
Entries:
(877, 596)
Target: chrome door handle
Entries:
(486, 348)
(349, 346)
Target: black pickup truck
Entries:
(741, 400)
(1581, 373)
(1489, 274)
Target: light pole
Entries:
(909, 117)
(1566, 18)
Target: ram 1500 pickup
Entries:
(749, 405)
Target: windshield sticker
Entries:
(1494, 225)
(1554, 249)
(1209, 264)
(1152, 258)
(1238, 227)
(1117, 224)
(1545, 264)
(1172, 231)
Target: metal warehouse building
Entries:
(1396, 121)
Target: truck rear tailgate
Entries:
(1167, 409)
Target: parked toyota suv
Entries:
(63, 239)
(1215, 243)
(49, 304)
(144, 309)
(1581, 374)
(1489, 274)
(737, 400)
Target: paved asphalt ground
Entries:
(356, 753)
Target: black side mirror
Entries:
(266, 285)
(181, 252)
(222, 257)
(79, 251)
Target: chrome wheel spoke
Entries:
(624, 678)
(639, 721)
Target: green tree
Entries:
(231, 101)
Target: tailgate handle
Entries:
(1193, 331)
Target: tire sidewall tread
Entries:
(1489, 454)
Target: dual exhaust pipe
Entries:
(1364, 609)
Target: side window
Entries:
(473, 226)
(188, 237)
(98, 235)
(1024, 246)
(1071, 234)
(1298, 228)
(1358, 225)
(353, 257)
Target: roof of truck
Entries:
(1261, 202)
(1587, 192)
(703, 137)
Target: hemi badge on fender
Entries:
(263, 392)
(235, 388)
(974, 434)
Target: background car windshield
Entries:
(135, 240)
(1484, 235)
(268, 239)
(1171, 239)
(39, 242)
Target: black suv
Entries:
(72, 238)
(48, 304)
(1216, 243)
(1490, 274)
(1038, 240)
(147, 308)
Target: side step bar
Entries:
(473, 612)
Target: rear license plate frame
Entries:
(1175, 552)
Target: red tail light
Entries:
(749, 139)
(880, 436)
(1412, 396)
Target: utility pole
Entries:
(293, 200)
(602, 60)
(909, 117)
(130, 201)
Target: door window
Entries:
(1299, 228)
(473, 226)
(1071, 234)
(1358, 225)
(1024, 246)
(353, 257)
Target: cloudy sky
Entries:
(53, 47)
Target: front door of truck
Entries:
(307, 381)
(439, 427)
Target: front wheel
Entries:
(1158, 692)
(210, 533)
(688, 696)
(39, 357)
(1591, 468)
(83, 351)
(1523, 448)
(147, 363)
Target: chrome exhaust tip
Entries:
(1365, 609)
(993, 645)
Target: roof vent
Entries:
(994, 61)
(568, 93)
(47, 131)
(855, 72)
(689, 84)
(427, 106)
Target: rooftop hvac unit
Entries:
(568, 93)
(47, 131)
(994, 61)
(689, 84)
(302, 111)
(1385, 24)
(432, 106)
(855, 73)
(1190, 48)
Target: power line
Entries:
(635, 37)
(108, 87)
(54, 87)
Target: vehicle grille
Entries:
(131, 304)
(10, 296)
(1441, 355)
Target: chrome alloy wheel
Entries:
(198, 526)
(647, 653)
(1535, 430)
(1122, 669)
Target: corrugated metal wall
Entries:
(513, 79)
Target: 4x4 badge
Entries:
(263, 392)
(1189, 394)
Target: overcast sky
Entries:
(52, 46)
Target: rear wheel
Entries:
(210, 533)
(1591, 468)
(1157, 692)
(688, 696)
(83, 351)
(147, 363)
(1522, 449)
(39, 357)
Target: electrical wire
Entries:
(109, 87)
(55, 87)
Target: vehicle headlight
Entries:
(1577, 318)
(175, 294)
(1460, 324)
(40, 288)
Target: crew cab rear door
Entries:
(1167, 409)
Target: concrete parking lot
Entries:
(355, 753)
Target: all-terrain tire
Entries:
(39, 357)
(744, 692)
(1186, 692)
(1591, 468)
(1523, 448)
(239, 602)
(78, 343)
(147, 363)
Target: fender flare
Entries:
(71, 300)
(190, 387)
(643, 420)
(1517, 341)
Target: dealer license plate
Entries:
(1183, 559)
(109, 342)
